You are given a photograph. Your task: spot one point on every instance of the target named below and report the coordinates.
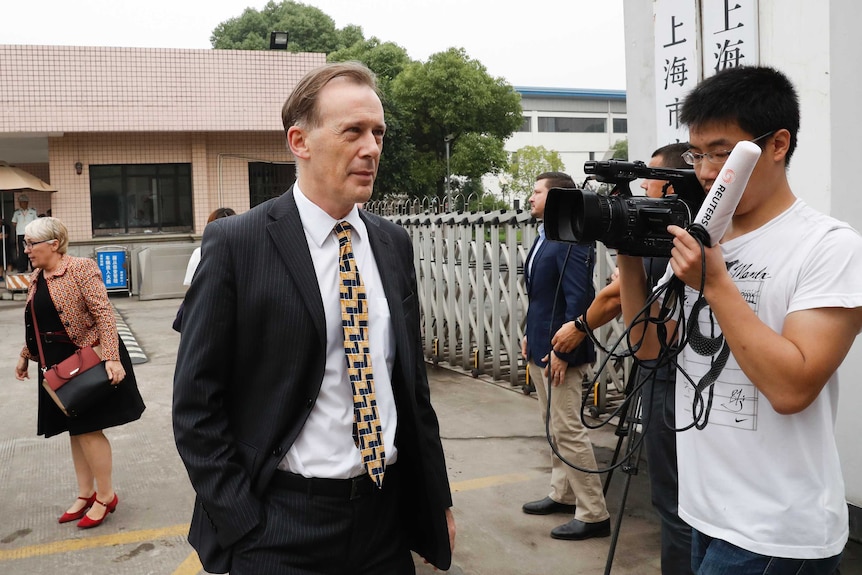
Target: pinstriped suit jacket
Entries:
(250, 366)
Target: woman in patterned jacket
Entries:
(72, 310)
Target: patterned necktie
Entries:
(367, 431)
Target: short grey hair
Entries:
(44, 229)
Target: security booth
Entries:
(113, 263)
(14, 182)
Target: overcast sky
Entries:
(547, 43)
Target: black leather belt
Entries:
(55, 337)
(347, 489)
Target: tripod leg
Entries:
(630, 465)
(615, 533)
(624, 426)
(622, 432)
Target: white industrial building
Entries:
(580, 125)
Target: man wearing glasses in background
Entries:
(760, 483)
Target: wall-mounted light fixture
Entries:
(79, 168)
(278, 41)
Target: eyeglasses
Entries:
(29, 245)
(719, 157)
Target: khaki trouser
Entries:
(568, 485)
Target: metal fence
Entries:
(401, 206)
(470, 272)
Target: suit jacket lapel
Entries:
(381, 246)
(285, 228)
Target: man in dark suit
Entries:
(560, 287)
(264, 395)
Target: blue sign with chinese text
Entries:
(113, 268)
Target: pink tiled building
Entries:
(142, 144)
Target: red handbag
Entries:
(77, 382)
(79, 362)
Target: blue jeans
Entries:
(716, 557)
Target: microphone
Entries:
(718, 207)
(720, 203)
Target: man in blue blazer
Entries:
(263, 401)
(560, 287)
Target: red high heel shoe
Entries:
(67, 517)
(87, 523)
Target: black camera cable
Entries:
(713, 346)
(584, 397)
(672, 296)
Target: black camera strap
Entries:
(706, 345)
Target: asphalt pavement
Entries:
(493, 437)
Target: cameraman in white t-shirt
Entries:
(759, 477)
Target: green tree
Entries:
(386, 59)
(475, 152)
(309, 29)
(620, 150)
(453, 95)
(468, 194)
(450, 94)
(524, 165)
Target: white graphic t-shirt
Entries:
(766, 482)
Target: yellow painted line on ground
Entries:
(94, 542)
(491, 481)
(191, 566)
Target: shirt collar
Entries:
(318, 224)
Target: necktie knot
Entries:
(342, 230)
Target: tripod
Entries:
(629, 437)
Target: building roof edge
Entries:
(544, 92)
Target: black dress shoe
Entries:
(576, 530)
(547, 506)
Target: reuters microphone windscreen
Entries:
(720, 203)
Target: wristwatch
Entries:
(580, 324)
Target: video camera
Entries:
(635, 226)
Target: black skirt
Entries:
(121, 406)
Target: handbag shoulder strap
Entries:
(36, 326)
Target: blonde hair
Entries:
(44, 229)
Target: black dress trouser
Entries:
(660, 442)
(22, 262)
(326, 527)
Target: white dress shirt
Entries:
(191, 268)
(532, 255)
(324, 447)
